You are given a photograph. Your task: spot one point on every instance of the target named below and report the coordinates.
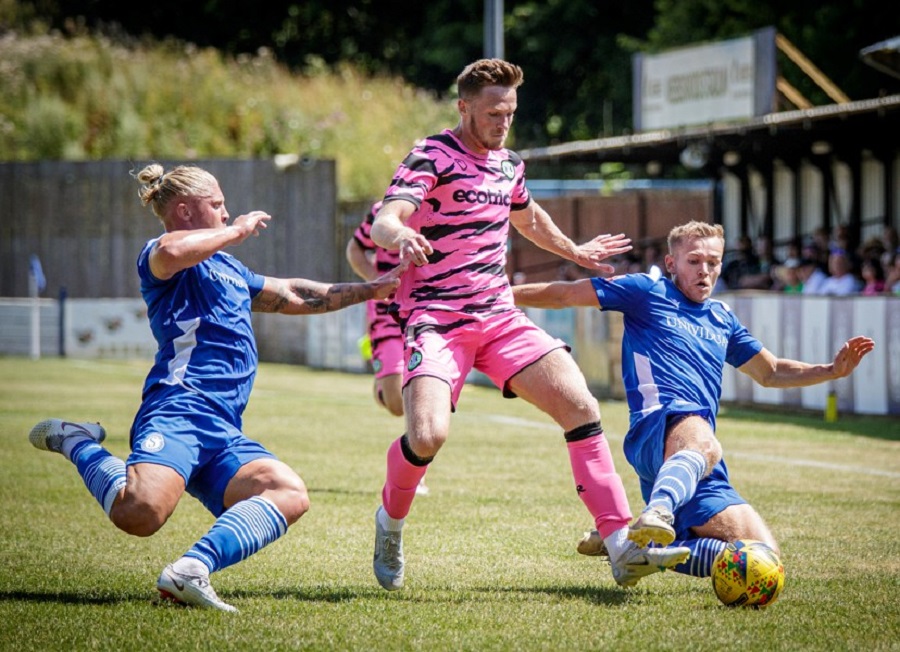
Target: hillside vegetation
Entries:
(84, 96)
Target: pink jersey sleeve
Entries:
(385, 260)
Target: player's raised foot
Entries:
(654, 525)
(50, 434)
(637, 563)
(592, 545)
(193, 590)
(422, 489)
(388, 560)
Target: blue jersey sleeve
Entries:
(254, 281)
(622, 293)
(741, 344)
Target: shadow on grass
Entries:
(606, 596)
(442, 594)
(72, 597)
(886, 428)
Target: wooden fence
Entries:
(86, 224)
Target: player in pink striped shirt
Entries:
(448, 212)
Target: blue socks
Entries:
(677, 480)
(703, 553)
(242, 530)
(103, 473)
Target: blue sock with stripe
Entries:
(677, 480)
(703, 553)
(244, 529)
(102, 472)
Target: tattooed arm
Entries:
(299, 296)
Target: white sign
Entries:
(705, 84)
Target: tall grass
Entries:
(491, 563)
(84, 96)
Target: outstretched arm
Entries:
(300, 296)
(178, 250)
(534, 223)
(769, 371)
(391, 232)
(558, 294)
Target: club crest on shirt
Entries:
(376, 365)
(153, 443)
(415, 359)
(508, 169)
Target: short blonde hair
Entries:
(159, 188)
(488, 72)
(694, 229)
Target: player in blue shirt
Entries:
(187, 434)
(676, 343)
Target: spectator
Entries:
(873, 277)
(820, 243)
(787, 277)
(742, 262)
(812, 276)
(652, 257)
(841, 281)
(767, 263)
(891, 242)
(892, 277)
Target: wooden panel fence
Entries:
(86, 224)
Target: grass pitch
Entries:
(491, 561)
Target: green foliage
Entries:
(811, 25)
(87, 97)
(490, 552)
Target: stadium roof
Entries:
(884, 56)
(789, 135)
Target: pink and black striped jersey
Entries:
(463, 204)
(385, 259)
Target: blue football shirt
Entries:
(201, 320)
(673, 349)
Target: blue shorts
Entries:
(187, 434)
(645, 449)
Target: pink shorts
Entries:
(448, 345)
(387, 342)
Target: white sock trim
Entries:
(388, 523)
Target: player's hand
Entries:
(250, 224)
(415, 249)
(591, 254)
(848, 358)
(385, 285)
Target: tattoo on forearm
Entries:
(319, 297)
(315, 297)
(350, 293)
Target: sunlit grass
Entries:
(490, 552)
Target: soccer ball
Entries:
(747, 573)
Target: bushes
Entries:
(88, 97)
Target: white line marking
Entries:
(527, 423)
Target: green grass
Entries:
(491, 563)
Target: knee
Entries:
(426, 434)
(292, 502)
(425, 444)
(138, 519)
(711, 450)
